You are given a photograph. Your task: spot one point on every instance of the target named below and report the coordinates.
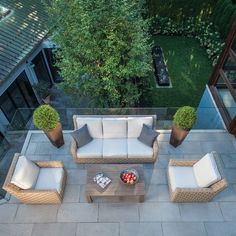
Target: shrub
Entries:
(45, 118)
(185, 117)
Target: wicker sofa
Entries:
(114, 140)
(194, 194)
(42, 195)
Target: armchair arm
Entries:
(49, 164)
(155, 149)
(73, 149)
(182, 162)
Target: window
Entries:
(223, 82)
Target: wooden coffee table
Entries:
(116, 188)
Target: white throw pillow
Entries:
(114, 127)
(135, 125)
(94, 125)
(25, 174)
(206, 171)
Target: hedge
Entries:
(179, 9)
(224, 14)
(221, 12)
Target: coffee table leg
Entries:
(141, 198)
(89, 199)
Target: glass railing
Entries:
(207, 118)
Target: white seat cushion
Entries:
(206, 171)
(115, 148)
(135, 125)
(91, 150)
(49, 178)
(25, 174)
(138, 149)
(114, 127)
(181, 177)
(94, 125)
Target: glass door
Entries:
(51, 62)
(40, 69)
(17, 100)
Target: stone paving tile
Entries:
(159, 212)
(35, 138)
(229, 160)
(228, 210)
(16, 229)
(102, 229)
(8, 212)
(140, 229)
(77, 212)
(62, 157)
(57, 229)
(159, 176)
(63, 150)
(218, 146)
(72, 193)
(69, 164)
(36, 213)
(31, 149)
(43, 148)
(82, 197)
(227, 195)
(35, 157)
(193, 156)
(221, 228)
(186, 148)
(157, 193)
(163, 147)
(230, 175)
(75, 176)
(206, 136)
(200, 212)
(163, 137)
(183, 229)
(118, 212)
(162, 161)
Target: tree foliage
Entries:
(104, 47)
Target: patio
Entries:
(156, 216)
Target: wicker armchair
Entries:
(196, 194)
(36, 196)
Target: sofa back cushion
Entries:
(114, 127)
(206, 171)
(25, 174)
(135, 125)
(94, 125)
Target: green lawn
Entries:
(189, 70)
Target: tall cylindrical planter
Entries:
(56, 136)
(178, 135)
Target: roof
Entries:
(20, 32)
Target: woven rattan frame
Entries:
(95, 160)
(32, 196)
(196, 194)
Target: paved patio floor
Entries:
(157, 216)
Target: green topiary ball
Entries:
(45, 117)
(185, 117)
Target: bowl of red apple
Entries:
(129, 176)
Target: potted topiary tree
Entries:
(184, 120)
(47, 119)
